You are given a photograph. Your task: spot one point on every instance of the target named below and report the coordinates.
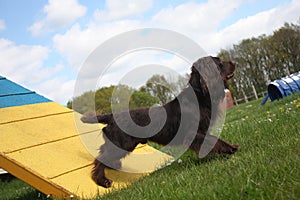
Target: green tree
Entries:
(179, 84)
(141, 99)
(286, 48)
(102, 99)
(83, 103)
(158, 86)
(119, 98)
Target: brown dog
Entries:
(187, 120)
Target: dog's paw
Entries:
(105, 183)
(231, 149)
(234, 148)
(226, 149)
(102, 181)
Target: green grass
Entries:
(265, 167)
(12, 188)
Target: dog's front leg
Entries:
(222, 147)
(98, 175)
(211, 144)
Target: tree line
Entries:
(158, 90)
(263, 59)
(260, 60)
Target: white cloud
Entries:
(58, 89)
(2, 25)
(261, 23)
(136, 67)
(199, 21)
(196, 18)
(17, 61)
(77, 43)
(58, 15)
(116, 9)
(25, 65)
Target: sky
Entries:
(45, 44)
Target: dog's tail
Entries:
(92, 118)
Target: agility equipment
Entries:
(283, 87)
(41, 144)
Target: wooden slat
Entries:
(63, 156)
(73, 181)
(33, 178)
(24, 134)
(19, 113)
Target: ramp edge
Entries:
(34, 179)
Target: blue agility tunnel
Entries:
(283, 87)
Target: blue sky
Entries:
(44, 43)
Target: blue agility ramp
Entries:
(12, 94)
(283, 87)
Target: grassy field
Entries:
(265, 167)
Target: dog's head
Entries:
(226, 68)
(204, 73)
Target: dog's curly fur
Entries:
(115, 137)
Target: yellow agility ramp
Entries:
(46, 145)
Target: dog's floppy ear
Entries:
(217, 60)
(196, 80)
